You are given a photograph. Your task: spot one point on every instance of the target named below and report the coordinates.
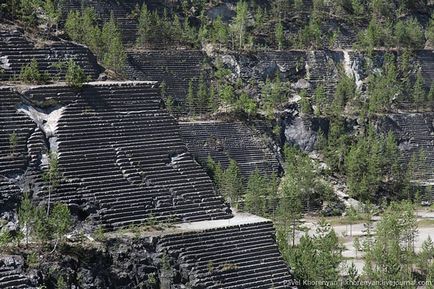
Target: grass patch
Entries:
(345, 220)
(426, 223)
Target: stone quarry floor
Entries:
(239, 218)
(425, 220)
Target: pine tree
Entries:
(52, 12)
(60, 221)
(246, 104)
(430, 96)
(290, 207)
(255, 191)
(227, 94)
(409, 33)
(30, 73)
(276, 90)
(390, 162)
(28, 12)
(170, 102)
(240, 23)
(317, 257)
(232, 184)
(352, 216)
(145, 26)
(280, 35)
(321, 141)
(272, 197)
(176, 28)
(430, 277)
(345, 91)
(259, 17)
(430, 30)
(191, 100)
(321, 101)
(418, 89)
(13, 142)
(190, 34)
(51, 176)
(305, 105)
(114, 55)
(219, 31)
(211, 167)
(26, 215)
(41, 227)
(212, 101)
(202, 95)
(352, 280)
(219, 176)
(75, 75)
(90, 32)
(425, 255)
(389, 258)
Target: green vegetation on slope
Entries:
(106, 42)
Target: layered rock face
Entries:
(122, 161)
(173, 68)
(415, 133)
(240, 256)
(17, 50)
(12, 273)
(119, 151)
(229, 140)
(122, 11)
(236, 253)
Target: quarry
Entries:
(216, 144)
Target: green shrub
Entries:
(170, 104)
(75, 75)
(381, 7)
(152, 280)
(375, 35)
(52, 12)
(106, 43)
(30, 73)
(98, 234)
(27, 11)
(227, 94)
(345, 91)
(310, 35)
(246, 104)
(430, 31)
(61, 284)
(73, 25)
(13, 142)
(321, 101)
(60, 220)
(305, 105)
(280, 35)
(419, 95)
(5, 238)
(32, 260)
(114, 55)
(409, 33)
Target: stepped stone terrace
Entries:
(229, 140)
(415, 133)
(118, 151)
(17, 50)
(11, 276)
(238, 253)
(173, 67)
(122, 11)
